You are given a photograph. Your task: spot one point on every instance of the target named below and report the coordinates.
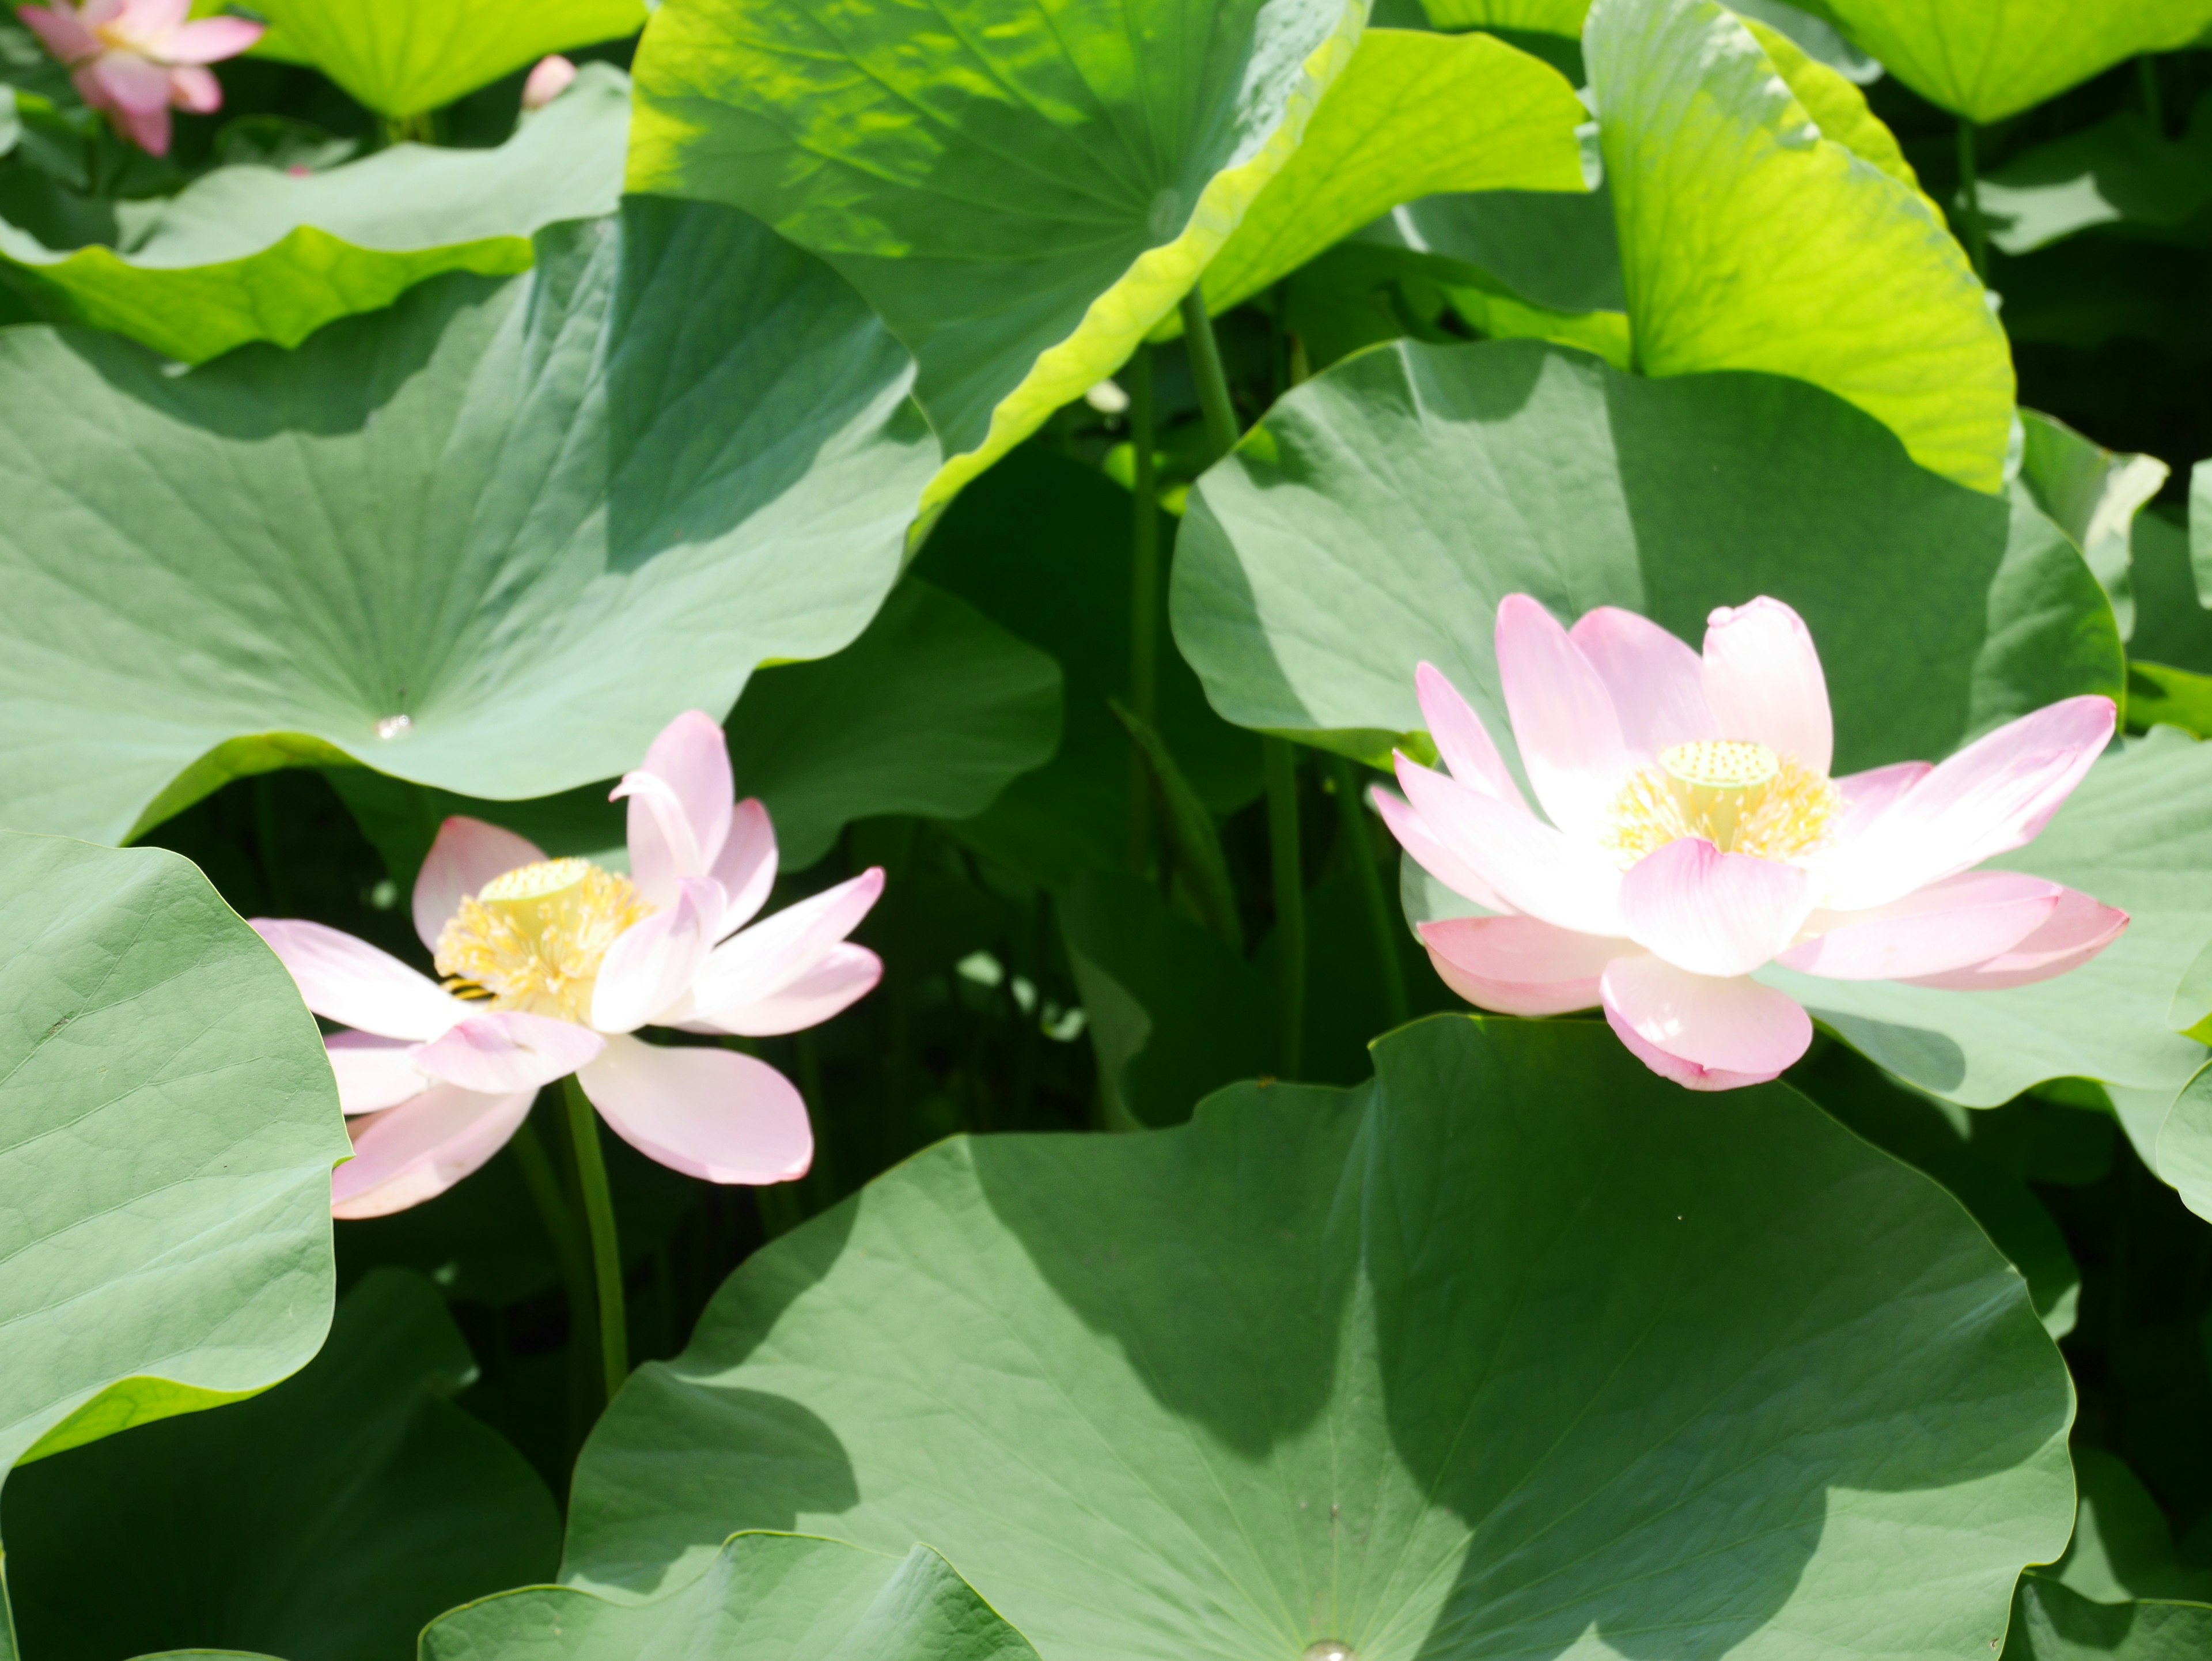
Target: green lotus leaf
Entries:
(1752, 238)
(1023, 196)
(2093, 494)
(765, 1598)
(488, 540)
(1987, 59)
(324, 1521)
(253, 253)
(2183, 1150)
(1561, 252)
(2052, 1623)
(1534, 16)
(172, 1125)
(2123, 1548)
(2200, 530)
(402, 57)
(1713, 1365)
(2120, 172)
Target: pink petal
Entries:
(413, 1153)
(505, 1049)
(772, 955)
(1948, 925)
(1763, 682)
(710, 1113)
(1868, 795)
(2077, 929)
(680, 804)
(746, 866)
(1563, 720)
(652, 962)
(98, 13)
(1704, 1031)
(467, 854)
(195, 89)
(129, 84)
(1534, 868)
(547, 80)
(351, 982)
(1712, 913)
(148, 128)
(142, 19)
(210, 40)
(1463, 742)
(374, 1073)
(61, 31)
(841, 979)
(1429, 850)
(1657, 682)
(1518, 965)
(1992, 796)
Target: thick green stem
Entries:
(1144, 599)
(1380, 912)
(1970, 200)
(558, 1219)
(606, 1246)
(1281, 764)
(1213, 399)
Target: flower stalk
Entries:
(598, 1204)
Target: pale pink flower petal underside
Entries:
(61, 32)
(373, 1073)
(1464, 743)
(416, 1151)
(1428, 851)
(1712, 913)
(841, 979)
(130, 84)
(467, 853)
(1713, 1033)
(1868, 795)
(761, 961)
(195, 89)
(1534, 868)
(1657, 682)
(652, 962)
(144, 20)
(710, 1113)
(1764, 682)
(747, 864)
(1563, 720)
(681, 800)
(349, 981)
(507, 1049)
(1518, 965)
(2076, 931)
(1948, 925)
(210, 40)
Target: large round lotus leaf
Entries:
(2184, 1149)
(765, 1598)
(488, 540)
(2050, 1623)
(1706, 1367)
(1022, 194)
(253, 253)
(1379, 513)
(402, 56)
(1752, 239)
(1986, 59)
(167, 1126)
(324, 1521)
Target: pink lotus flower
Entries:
(136, 58)
(550, 967)
(1695, 836)
(547, 80)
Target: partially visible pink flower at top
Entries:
(552, 965)
(1695, 836)
(135, 59)
(547, 81)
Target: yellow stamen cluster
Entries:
(533, 939)
(1743, 797)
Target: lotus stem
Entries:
(1143, 596)
(1379, 910)
(1281, 764)
(1213, 399)
(600, 1224)
(1970, 201)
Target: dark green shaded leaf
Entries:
(2050, 1623)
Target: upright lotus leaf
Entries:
(489, 540)
(1560, 252)
(1269, 1381)
(402, 57)
(1755, 235)
(2052, 1623)
(167, 1126)
(1021, 194)
(254, 253)
(2093, 494)
(324, 1521)
(1536, 17)
(2122, 1547)
(1987, 59)
(2184, 1148)
(2121, 172)
(765, 1598)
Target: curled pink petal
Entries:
(1518, 965)
(62, 32)
(746, 866)
(1429, 850)
(1707, 1033)
(841, 979)
(678, 822)
(195, 90)
(210, 40)
(652, 963)
(467, 853)
(1763, 682)
(548, 79)
(374, 1073)
(505, 1049)
(1657, 682)
(1563, 718)
(2077, 929)
(1533, 867)
(761, 961)
(664, 845)
(413, 1153)
(1948, 925)
(710, 1113)
(1463, 742)
(351, 982)
(1713, 913)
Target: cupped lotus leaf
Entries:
(1023, 195)
(765, 1598)
(1987, 59)
(2052, 1623)
(254, 253)
(489, 540)
(402, 57)
(2184, 1148)
(1378, 514)
(1268, 1381)
(170, 1127)
(324, 1521)
(2093, 494)
(2122, 1547)
(1752, 237)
